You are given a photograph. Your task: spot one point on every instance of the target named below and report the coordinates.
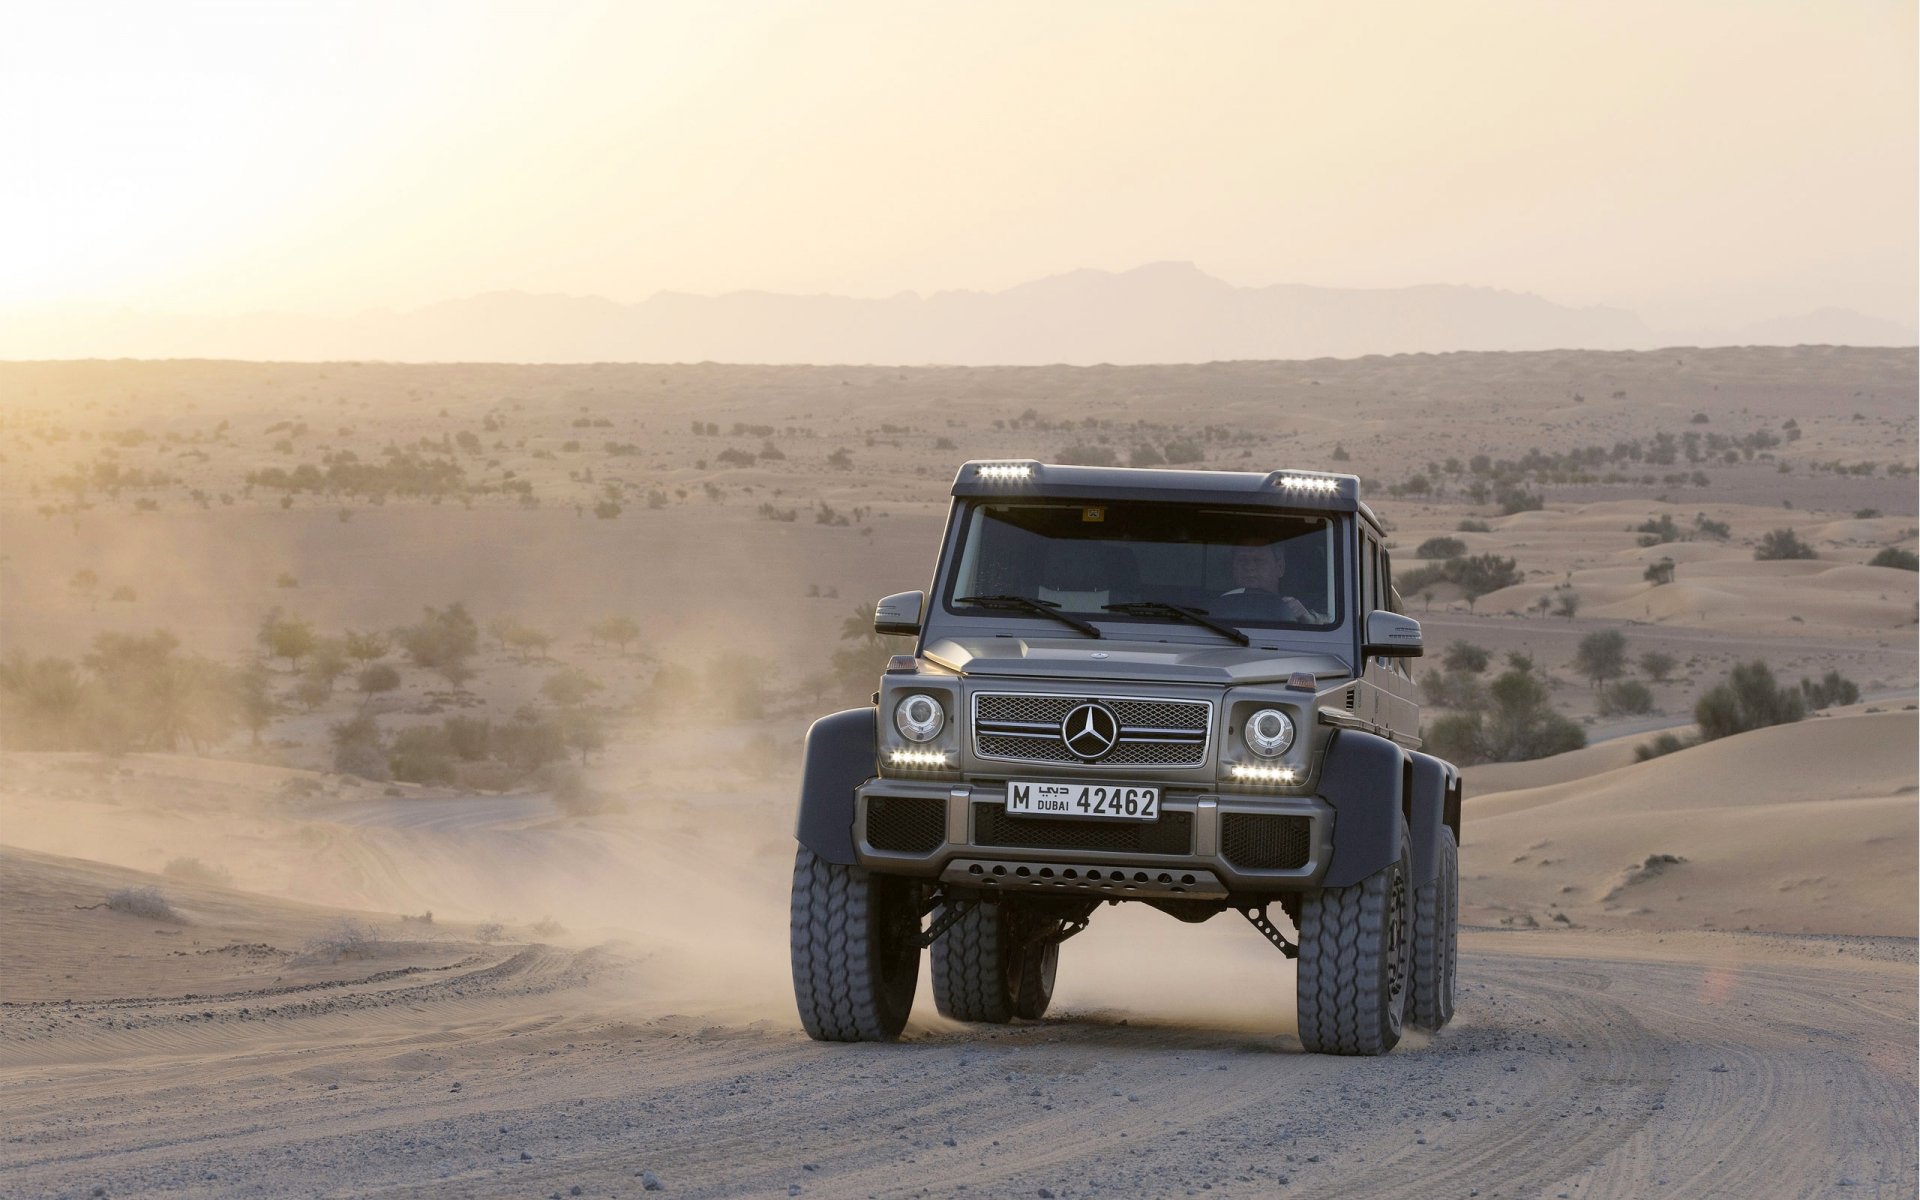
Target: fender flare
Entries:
(1433, 802)
(840, 756)
(1363, 777)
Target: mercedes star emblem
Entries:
(1090, 730)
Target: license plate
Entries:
(1096, 801)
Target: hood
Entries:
(1113, 658)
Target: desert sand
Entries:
(1690, 976)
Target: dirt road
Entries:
(1581, 1065)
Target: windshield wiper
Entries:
(1193, 616)
(1043, 608)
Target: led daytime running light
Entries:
(1310, 483)
(918, 758)
(1254, 773)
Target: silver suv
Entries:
(1187, 689)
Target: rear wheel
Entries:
(1355, 959)
(1436, 940)
(856, 960)
(996, 963)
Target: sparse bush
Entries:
(1567, 604)
(286, 637)
(1706, 527)
(1665, 744)
(1518, 500)
(364, 647)
(1748, 699)
(1895, 557)
(1602, 655)
(1520, 724)
(1145, 455)
(421, 754)
(1660, 573)
(471, 738)
(1466, 657)
(1629, 697)
(570, 686)
(376, 679)
(1441, 547)
(1086, 455)
(1472, 526)
(443, 637)
(618, 630)
(1184, 451)
(1340, 453)
(1657, 665)
(359, 749)
(1830, 691)
(348, 940)
(530, 741)
(142, 902)
(1781, 544)
(492, 931)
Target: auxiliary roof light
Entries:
(1323, 485)
(1005, 472)
(918, 758)
(1255, 773)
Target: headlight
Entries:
(1269, 732)
(919, 718)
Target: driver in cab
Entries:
(1259, 571)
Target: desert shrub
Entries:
(1658, 531)
(1665, 744)
(310, 693)
(733, 456)
(443, 637)
(1895, 557)
(617, 630)
(421, 754)
(1659, 573)
(1602, 655)
(1472, 526)
(492, 931)
(1782, 544)
(1182, 451)
(1567, 604)
(286, 637)
(1830, 690)
(359, 749)
(364, 647)
(1466, 657)
(142, 902)
(1629, 697)
(530, 741)
(607, 510)
(1441, 547)
(1706, 527)
(348, 940)
(1520, 723)
(1518, 500)
(1145, 455)
(1086, 455)
(1340, 453)
(1749, 698)
(1482, 573)
(1453, 689)
(841, 459)
(570, 686)
(470, 738)
(1657, 665)
(192, 870)
(375, 679)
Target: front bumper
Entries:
(1231, 844)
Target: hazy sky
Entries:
(1691, 160)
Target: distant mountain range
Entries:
(1162, 312)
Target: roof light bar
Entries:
(1005, 472)
(1324, 485)
(1254, 773)
(918, 758)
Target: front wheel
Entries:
(856, 957)
(1355, 959)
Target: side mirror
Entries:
(899, 615)
(1392, 635)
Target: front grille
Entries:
(906, 824)
(1171, 834)
(1022, 727)
(1264, 842)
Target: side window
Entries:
(1369, 564)
(1386, 582)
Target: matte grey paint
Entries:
(842, 749)
(1362, 776)
(1392, 635)
(899, 614)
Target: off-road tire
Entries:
(1355, 959)
(855, 961)
(991, 966)
(1436, 940)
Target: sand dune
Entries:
(1805, 828)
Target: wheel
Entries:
(1436, 940)
(855, 958)
(994, 964)
(1355, 955)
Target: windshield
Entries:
(1238, 566)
